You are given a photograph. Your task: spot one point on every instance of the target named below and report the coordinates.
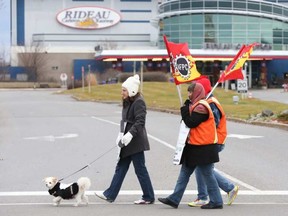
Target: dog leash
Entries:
(88, 164)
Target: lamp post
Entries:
(89, 79)
(82, 70)
(141, 77)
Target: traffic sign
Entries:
(242, 86)
(63, 77)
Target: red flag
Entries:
(183, 67)
(234, 69)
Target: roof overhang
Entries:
(198, 55)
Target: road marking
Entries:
(241, 183)
(149, 135)
(162, 142)
(237, 181)
(52, 138)
(104, 120)
(242, 136)
(130, 203)
(139, 192)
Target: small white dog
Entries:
(68, 191)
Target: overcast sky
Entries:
(5, 21)
(4, 29)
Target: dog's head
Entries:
(50, 182)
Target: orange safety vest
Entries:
(222, 126)
(205, 133)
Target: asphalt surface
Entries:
(277, 95)
(44, 134)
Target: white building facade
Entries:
(68, 30)
(69, 35)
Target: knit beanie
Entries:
(205, 82)
(132, 85)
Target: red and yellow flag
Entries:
(183, 67)
(234, 69)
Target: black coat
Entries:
(134, 114)
(194, 155)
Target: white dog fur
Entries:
(83, 184)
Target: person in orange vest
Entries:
(200, 149)
(220, 121)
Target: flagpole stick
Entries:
(212, 90)
(179, 94)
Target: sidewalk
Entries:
(277, 95)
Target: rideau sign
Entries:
(88, 17)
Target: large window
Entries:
(263, 7)
(225, 5)
(253, 6)
(210, 4)
(220, 28)
(239, 5)
(185, 5)
(197, 18)
(277, 10)
(197, 27)
(136, 0)
(266, 8)
(197, 4)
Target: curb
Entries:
(176, 112)
(264, 124)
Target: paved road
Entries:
(277, 95)
(44, 134)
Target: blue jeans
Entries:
(210, 181)
(142, 174)
(223, 183)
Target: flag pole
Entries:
(179, 94)
(212, 90)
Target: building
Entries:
(62, 36)
(73, 34)
(214, 28)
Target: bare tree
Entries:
(34, 59)
(4, 55)
(3, 63)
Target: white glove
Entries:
(119, 137)
(126, 139)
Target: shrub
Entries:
(93, 79)
(283, 117)
(107, 76)
(77, 84)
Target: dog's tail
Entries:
(84, 183)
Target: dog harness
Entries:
(67, 193)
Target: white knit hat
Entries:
(132, 85)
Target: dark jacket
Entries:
(197, 155)
(134, 114)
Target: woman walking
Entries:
(133, 144)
